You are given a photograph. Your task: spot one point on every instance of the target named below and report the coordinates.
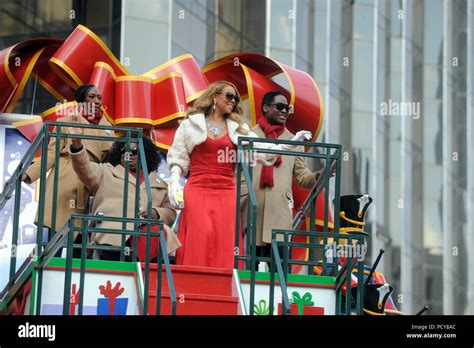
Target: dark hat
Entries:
(353, 209)
(376, 296)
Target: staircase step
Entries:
(195, 280)
(195, 304)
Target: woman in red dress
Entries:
(207, 222)
(203, 146)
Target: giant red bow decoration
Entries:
(155, 99)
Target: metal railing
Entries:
(342, 275)
(42, 142)
(276, 263)
(65, 235)
(331, 154)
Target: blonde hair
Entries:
(205, 102)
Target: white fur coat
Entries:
(193, 131)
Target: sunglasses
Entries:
(281, 106)
(132, 151)
(231, 96)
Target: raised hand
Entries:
(76, 142)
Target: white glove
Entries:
(266, 159)
(300, 136)
(174, 188)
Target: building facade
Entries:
(396, 77)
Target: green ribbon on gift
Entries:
(306, 300)
(262, 308)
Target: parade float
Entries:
(315, 276)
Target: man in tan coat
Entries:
(106, 182)
(273, 184)
(72, 195)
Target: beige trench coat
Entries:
(106, 183)
(71, 195)
(274, 205)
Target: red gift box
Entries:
(307, 310)
(293, 309)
